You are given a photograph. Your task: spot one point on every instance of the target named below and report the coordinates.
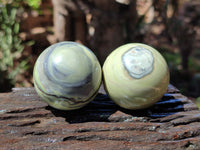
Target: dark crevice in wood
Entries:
(167, 119)
(81, 138)
(36, 133)
(167, 96)
(95, 138)
(185, 122)
(30, 123)
(20, 111)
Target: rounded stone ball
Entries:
(67, 75)
(135, 76)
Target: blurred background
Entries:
(27, 27)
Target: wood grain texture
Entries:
(26, 122)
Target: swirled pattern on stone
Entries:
(67, 75)
(138, 62)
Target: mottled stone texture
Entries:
(26, 122)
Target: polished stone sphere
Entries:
(67, 75)
(135, 76)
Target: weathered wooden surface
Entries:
(26, 122)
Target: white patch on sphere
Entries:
(138, 61)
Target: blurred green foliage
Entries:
(33, 3)
(173, 59)
(11, 46)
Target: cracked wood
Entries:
(26, 122)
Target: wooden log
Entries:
(26, 122)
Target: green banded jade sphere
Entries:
(67, 75)
(135, 76)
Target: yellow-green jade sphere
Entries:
(67, 75)
(135, 76)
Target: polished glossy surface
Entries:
(135, 76)
(67, 75)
